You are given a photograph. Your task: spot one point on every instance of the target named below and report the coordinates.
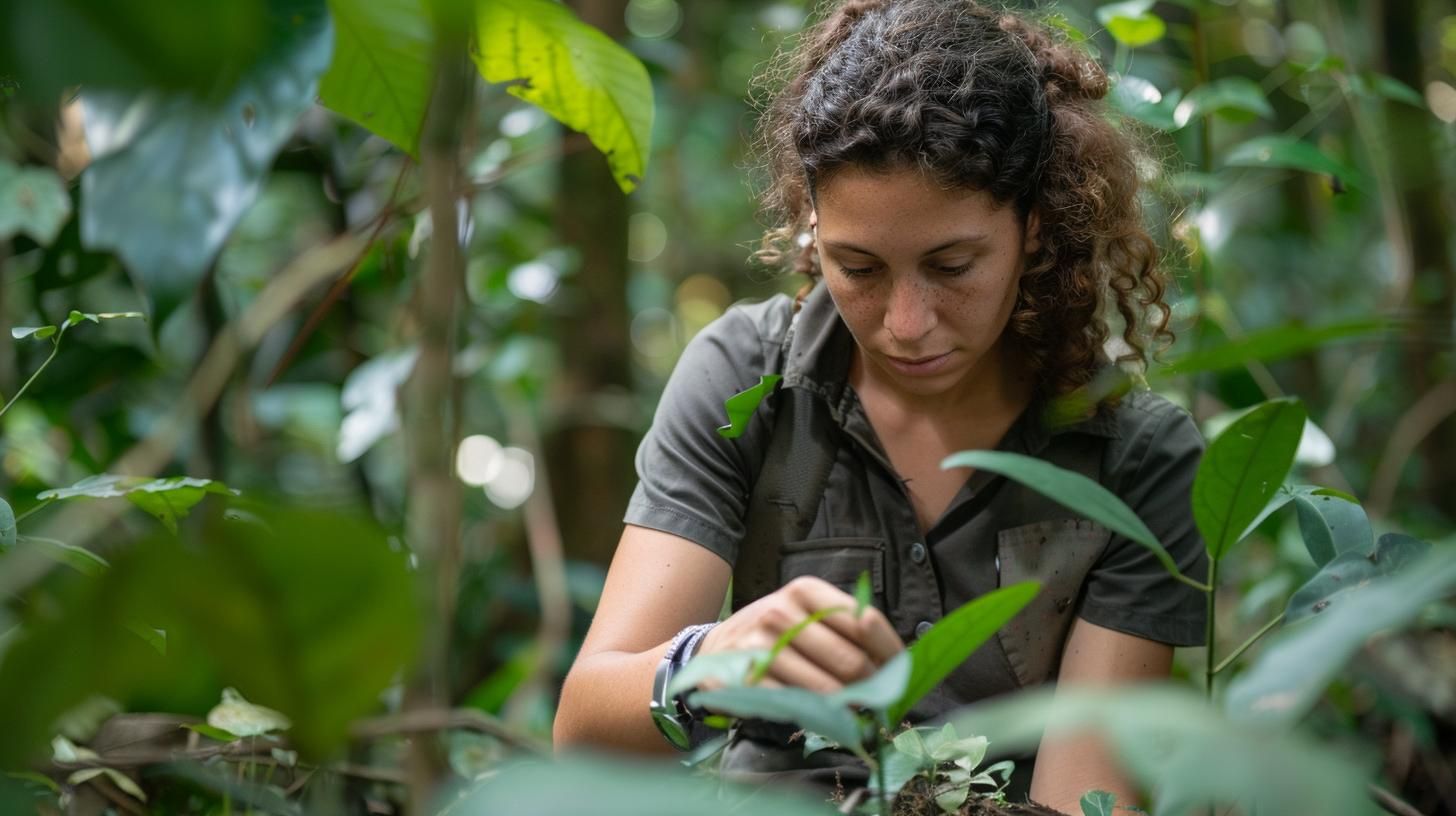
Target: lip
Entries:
(920, 366)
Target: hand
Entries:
(828, 654)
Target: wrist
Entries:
(669, 712)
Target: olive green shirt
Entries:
(696, 484)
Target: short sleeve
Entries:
(1152, 468)
(692, 482)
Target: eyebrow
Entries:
(965, 239)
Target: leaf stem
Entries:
(880, 776)
(1224, 664)
(1210, 630)
(55, 347)
(32, 511)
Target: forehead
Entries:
(904, 207)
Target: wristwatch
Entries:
(669, 713)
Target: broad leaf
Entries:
(740, 406)
(33, 202)
(1069, 489)
(381, 72)
(79, 559)
(954, 638)
(168, 499)
(1140, 99)
(172, 172)
(1296, 664)
(1098, 803)
(1242, 469)
(1270, 344)
(881, 690)
(573, 72)
(1172, 743)
(789, 704)
(1232, 97)
(1289, 154)
(1351, 572)
(616, 787)
(1331, 524)
(1132, 23)
(7, 525)
(724, 668)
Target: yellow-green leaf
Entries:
(381, 72)
(575, 73)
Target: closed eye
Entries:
(856, 272)
(954, 270)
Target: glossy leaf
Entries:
(1132, 23)
(7, 525)
(740, 406)
(1231, 97)
(618, 787)
(1296, 664)
(1350, 572)
(575, 73)
(1270, 344)
(1098, 803)
(1069, 489)
(1184, 752)
(954, 638)
(1289, 154)
(1242, 469)
(33, 202)
(788, 704)
(1331, 524)
(172, 173)
(381, 72)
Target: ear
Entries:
(1032, 241)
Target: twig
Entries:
(1391, 803)
(1414, 425)
(1227, 661)
(427, 720)
(852, 801)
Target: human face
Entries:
(925, 278)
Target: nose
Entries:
(910, 313)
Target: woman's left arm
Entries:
(1067, 766)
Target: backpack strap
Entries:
(787, 494)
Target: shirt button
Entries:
(917, 552)
(921, 628)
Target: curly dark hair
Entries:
(986, 100)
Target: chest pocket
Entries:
(1058, 555)
(837, 560)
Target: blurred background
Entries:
(1304, 194)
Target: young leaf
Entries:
(740, 406)
(1232, 97)
(1072, 490)
(1242, 469)
(38, 332)
(1132, 22)
(1098, 803)
(761, 666)
(211, 732)
(951, 640)
(575, 73)
(1331, 524)
(864, 593)
(1296, 665)
(381, 71)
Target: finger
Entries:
(794, 669)
(841, 657)
(871, 630)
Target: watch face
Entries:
(675, 732)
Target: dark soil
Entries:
(915, 800)
(985, 807)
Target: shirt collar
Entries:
(819, 349)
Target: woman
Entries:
(949, 180)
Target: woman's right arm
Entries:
(659, 583)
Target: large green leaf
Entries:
(33, 202)
(79, 559)
(573, 72)
(617, 787)
(816, 712)
(1184, 752)
(1331, 524)
(1351, 572)
(1243, 469)
(1289, 154)
(7, 525)
(740, 406)
(381, 72)
(1132, 22)
(1071, 490)
(258, 602)
(1297, 664)
(1233, 97)
(954, 638)
(1269, 344)
(172, 172)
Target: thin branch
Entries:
(424, 720)
(1227, 661)
(1392, 803)
(1433, 408)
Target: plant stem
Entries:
(880, 776)
(55, 347)
(1210, 630)
(1227, 661)
(32, 511)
